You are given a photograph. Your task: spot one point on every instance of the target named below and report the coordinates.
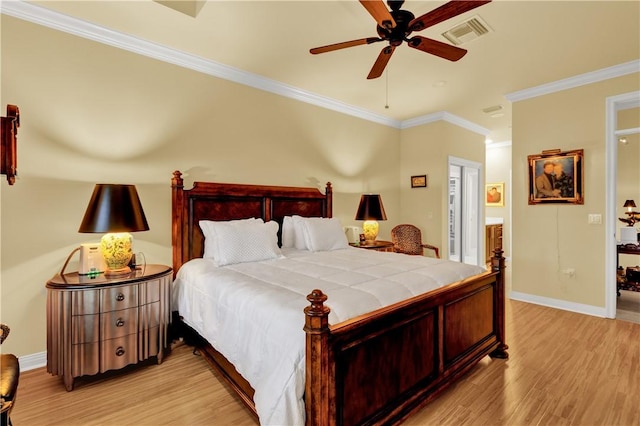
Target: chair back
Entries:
(407, 239)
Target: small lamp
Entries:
(370, 210)
(116, 210)
(629, 205)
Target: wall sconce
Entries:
(370, 210)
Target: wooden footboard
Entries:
(380, 367)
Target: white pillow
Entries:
(299, 240)
(324, 234)
(288, 232)
(208, 229)
(250, 242)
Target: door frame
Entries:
(613, 105)
(456, 161)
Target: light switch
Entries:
(595, 219)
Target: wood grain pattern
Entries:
(590, 378)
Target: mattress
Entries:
(252, 312)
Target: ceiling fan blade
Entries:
(444, 12)
(437, 48)
(381, 62)
(380, 13)
(344, 45)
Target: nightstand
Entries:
(378, 245)
(96, 324)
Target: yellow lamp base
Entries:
(117, 253)
(370, 230)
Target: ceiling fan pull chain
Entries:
(386, 76)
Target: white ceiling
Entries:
(532, 43)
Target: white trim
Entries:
(558, 304)
(576, 81)
(499, 144)
(627, 132)
(445, 116)
(613, 105)
(33, 361)
(58, 21)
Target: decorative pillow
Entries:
(250, 242)
(208, 229)
(324, 234)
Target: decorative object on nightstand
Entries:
(98, 323)
(629, 234)
(116, 210)
(371, 211)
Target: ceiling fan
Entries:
(396, 25)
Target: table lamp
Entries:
(371, 211)
(115, 210)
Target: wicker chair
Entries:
(9, 375)
(407, 239)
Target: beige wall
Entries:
(498, 169)
(425, 150)
(548, 239)
(92, 113)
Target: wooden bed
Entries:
(376, 368)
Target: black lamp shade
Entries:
(371, 208)
(629, 203)
(114, 208)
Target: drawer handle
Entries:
(120, 297)
(119, 322)
(120, 351)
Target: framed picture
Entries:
(419, 181)
(556, 177)
(494, 193)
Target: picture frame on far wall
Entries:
(556, 177)
(494, 194)
(419, 181)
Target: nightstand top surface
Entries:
(73, 280)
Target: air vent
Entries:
(469, 30)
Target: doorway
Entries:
(465, 217)
(614, 104)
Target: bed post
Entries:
(329, 197)
(317, 394)
(177, 212)
(497, 265)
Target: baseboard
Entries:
(580, 308)
(33, 361)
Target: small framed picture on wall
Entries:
(419, 181)
(495, 194)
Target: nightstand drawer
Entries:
(118, 323)
(116, 298)
(86, 358)
(119, 352)
(85, 329)
(85, 302)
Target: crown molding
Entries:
(61, 22)
(576, 81)
(445, 116)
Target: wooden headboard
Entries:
(228, 201)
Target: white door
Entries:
(465, 213)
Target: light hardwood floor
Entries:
(564, 369)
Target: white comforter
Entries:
(253, 312)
